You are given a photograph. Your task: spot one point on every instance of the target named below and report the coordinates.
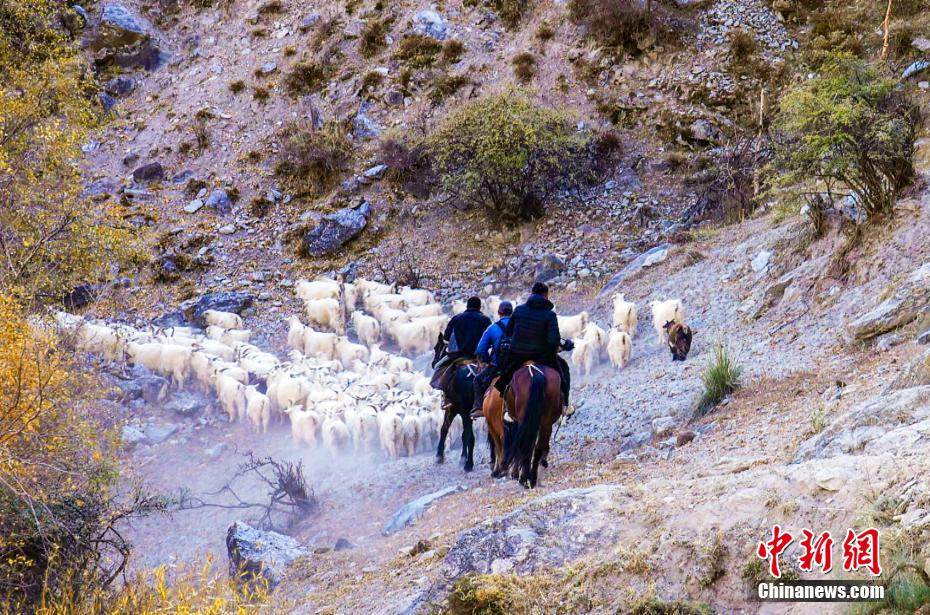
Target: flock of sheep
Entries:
(340, 393)
(592, 342)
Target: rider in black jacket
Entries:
(464, 331)
(534, 333)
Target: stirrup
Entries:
(568, 411)
(477, 413)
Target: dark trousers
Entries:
(482, 382)
(554, 361)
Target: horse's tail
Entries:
(524, 440)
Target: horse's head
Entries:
(438, 350)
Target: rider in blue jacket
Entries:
(487, 353)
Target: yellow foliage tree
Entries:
(51, 238)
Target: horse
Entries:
(535, 402)
(459, 394)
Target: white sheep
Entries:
(367, 425)
(491, 305)
(318, 289)
(619, 347)
(348, 352)
(419, 311)
(595, 335)
(625, 315)
(411, 434)
(416, 296)
(435, 325)
(295, 333)
(585, 355)
(215, 348)
(458, 306)
(175, 361)
(226, 320)
(367, 328)
(325, 313)
(670, 310)
(147, 354)
(231, 394)
(319, 344)
(228, 336)
(257, 408)
(305, 424)
(573, 326)
(390, 432)
(336, 436)
(369, 287)
(412, 337)
(350, 295)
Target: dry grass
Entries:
(524, 66)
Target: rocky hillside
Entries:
(648, 505)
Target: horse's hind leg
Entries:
(468, 442)
(540, 453)
(443, 432)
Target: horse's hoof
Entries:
(544, 462)
(440, 459)
(468, 467)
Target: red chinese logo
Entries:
(773, 548)
(860, 550)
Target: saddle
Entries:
(444, 373)
(531, 365)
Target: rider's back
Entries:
(534, 328)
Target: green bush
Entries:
(847, 129)
(505, 153)
(524, 66)
(721, 377)
(373, 38)
(445, 85)
(310, 160)
(418, 50)
(305, 76)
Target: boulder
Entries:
(761, 261)
(908, 302)
(704, 131)
(132, 436)
(151, 172)
(151, 388)
(546, 534)
(363, 126)
(888, 423)
(156, 434)
(120, 86)
(222, 301)
(550, 266)
(848, 473)
(220, 201)
(256, 555)
(413, 510)
(118, 28)
(915, 68)
(171, 319)
(335, 230)
(185, 404)
(430, 23)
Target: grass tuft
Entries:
(721, 377)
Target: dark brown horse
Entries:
(535, 402)
(459, 393)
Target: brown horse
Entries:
(535, 402)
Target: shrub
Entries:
(452, 51)
(418, 50)
(524, 66)
(305, 77)
(407, 165)
(507, 154)
(261, 94)
(370, 81)
(721, 377)
(848, 128)
(545, 32)
(625, 26)
(445, 85)
(510, 11)
(373, 38)
(311, 160)
(726, 187)
(742, 45)
(236, 86)
(52, 238)
(58, 494)
(271, 7)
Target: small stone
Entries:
(685, 437)
(150, 172)
(194, 206)
(663, 426)
(219, 201)
(228, 229)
